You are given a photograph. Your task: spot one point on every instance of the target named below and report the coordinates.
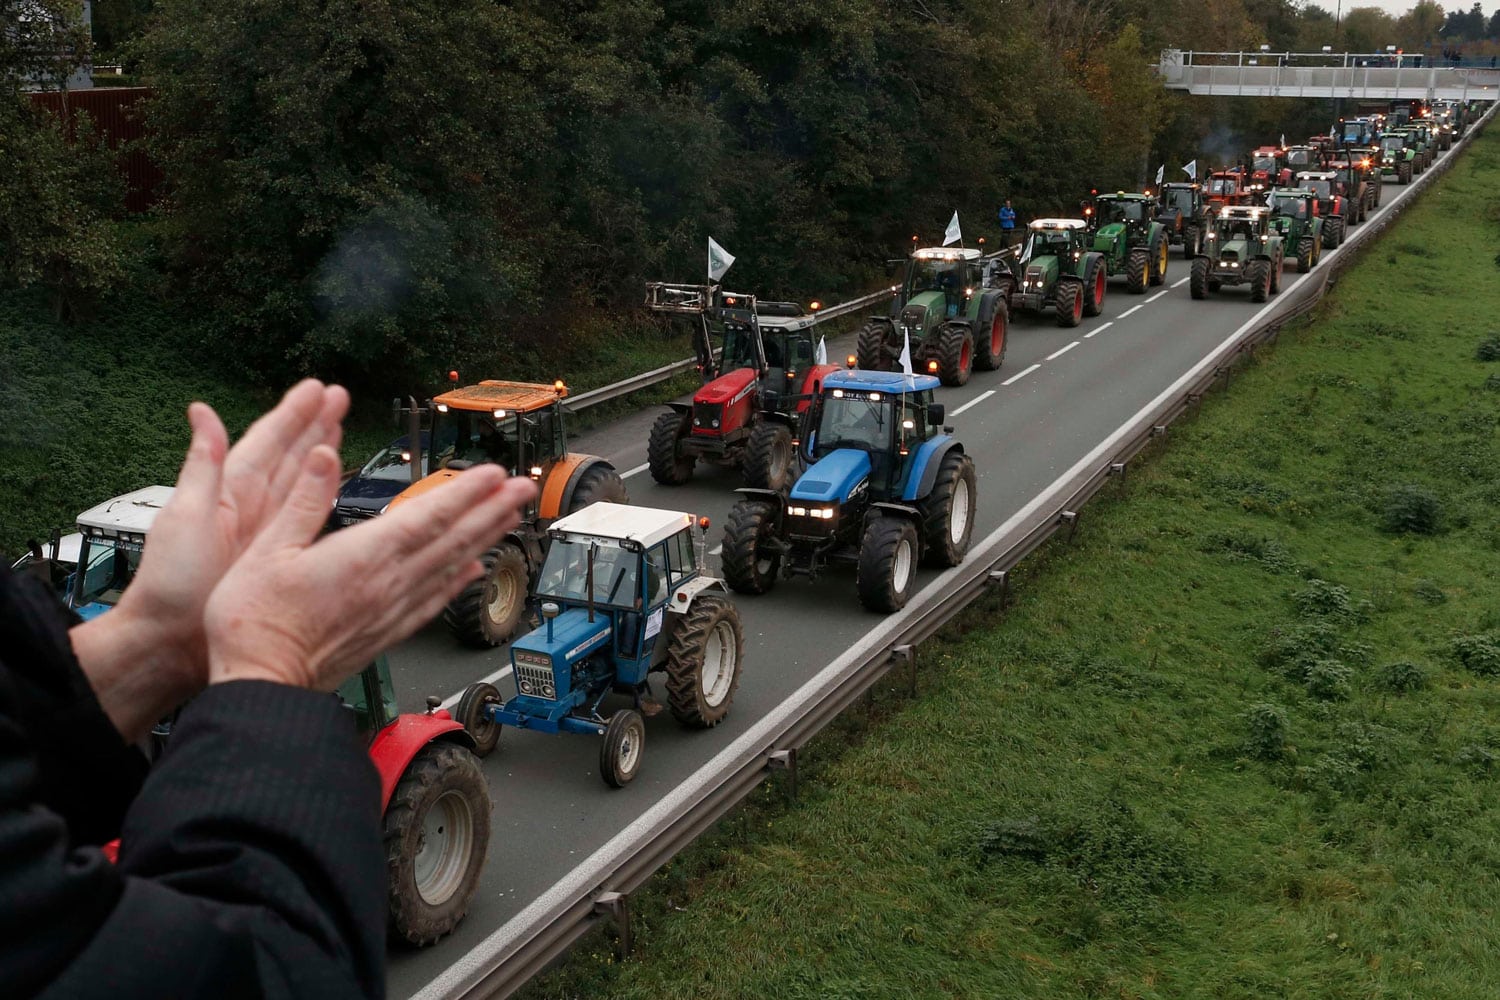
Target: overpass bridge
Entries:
(1356, 75)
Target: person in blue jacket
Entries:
(250, 860)
(1007, 224)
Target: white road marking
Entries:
(1059, 353)
(1179, 284)
(1159, 294)
(636, 471)
(1020, 375)
(1132, 309)
(1099, 329)
(716, 549)
(974, 402)
(452, 699)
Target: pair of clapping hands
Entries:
(236, 584)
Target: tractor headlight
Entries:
(797, 511)
(548, 691)
(525, 686)
(716, 425)
(826, 513)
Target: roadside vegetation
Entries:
(1240, 738)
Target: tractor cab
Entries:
(1296, 204)
(53, 563)
(884, 419)
(953, 272)
(114, 534)
(1062, 238)
(1185, 199)
(1226, 187)
(516, 425)
(1303, 158)
(1267, 168)
(1355, 131)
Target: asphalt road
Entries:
(1059, 392)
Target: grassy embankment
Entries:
(96, 409)
(1241, 738)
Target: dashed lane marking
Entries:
(1132, 309)
(452, 699)
(974, 402)
(1059, 353)
(1099, 329)
(1158, 295)
(1179, 284)
(636, 471)
(1018, 376)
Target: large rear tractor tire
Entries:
(1277, 264)
(703, 662)
(750, 563)
(436, 833)
(887, 571)
(1095, 281)
(1198, 282)
(1137, 266)
(1333, 232)
(598, 483)
(1306, 254)
(955, 353)
(770, 458)
(472, 713)
(487, 611)
(623, 746)
(1069, 302)
(670, 463)
(1403, 172)
(1159, 251)
(948, 512)
(1190, 240)
(989, 352)
(872, 349)
(1259, 273)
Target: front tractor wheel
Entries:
(1198, 283)
(1069, 300)
(670, 463)
(770, 459)
(1306, 254)
(1095, 280)
(487, 611)
(620, 753)
(473, 714)
(750, 560)
(1190, 240)
(948, 513)
(955, 353)
(872, 349)
(1137, 264)
(990, 351)
(1259, 273)
(703, 662)
(1159, 259)
(1277, 263)
(887, 572)
(436, 833)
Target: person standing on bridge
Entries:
(250, 863)
(1007, 225)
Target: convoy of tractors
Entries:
(611, 611)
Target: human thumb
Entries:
(305, 509)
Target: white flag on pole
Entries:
(951, 234)
(1283, 140)
(906, 354)
(1270, 199)
(1161, 174)
(821, 358)
(1191, 169)
(719, 260)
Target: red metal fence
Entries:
(116, 113)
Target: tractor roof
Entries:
(130, 512)
(1316, 175)
(619, 521)
(945, 253)
(1251, 212)
(1180, 184)
(1124, 196)
(1292, 193)
(492, 394)
(1058, 224)
(860, 380)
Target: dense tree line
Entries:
(363, 187)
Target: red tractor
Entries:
(760, 369)
(1268, 168)
(1225, 187)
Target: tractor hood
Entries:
(727, 388)
(1238, 249)
(1041, 270)
(834, 477)
(1105, 238)
(573, 636)
(932, 304)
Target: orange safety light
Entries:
(729, 300)
(815, 305)
(850, 360)
(453, 375)
(932, 366)
(560, 386)
(703, 523)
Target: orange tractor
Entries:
(518, 425)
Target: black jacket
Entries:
(250, 860)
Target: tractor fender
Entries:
(772, 496)
(925, 464)
(557, 492)
(887, 508)
(682, 409)
(394, 746)
(530, 544)
(686, 593)
(989, 302)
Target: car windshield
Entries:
(1320, 188)
(480, 438)
(853, 420)
(565, 573)
(393, 462)
(109, 568)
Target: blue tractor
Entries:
(887, 487)
(623, 595)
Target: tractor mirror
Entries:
(935, 414)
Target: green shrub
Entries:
(1428, 592)
(1475, 757)
(1328, 680)
(1321, 599)
(1266, 726)
(1412, 509)
(1291, 651)
(1479, 653)
(1400, 677)
(1489, 348)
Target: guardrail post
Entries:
(785, 760)
(616, 906)
(1001, 578)
(909, 654)
(1117, 470)
(1070, 518)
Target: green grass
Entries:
(1241, 738)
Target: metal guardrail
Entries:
(600, 887)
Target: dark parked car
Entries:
(372, 487)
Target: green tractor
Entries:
(1133, 243)
(1241, 249)
(1398, 155)
(1294, 216)
(953, 319)
(1185, 215)
(1057, 268)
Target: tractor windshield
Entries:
(1392, 143)
(1045, 242)
(1181, 199)
(477, 437)
(1300, 158)
(565, 573)
(1323, 189)
(1291, 207)
(1263, 162)
(739, 350)
(1121, 210)
(853, 419)
(1235, 229)
(107, 567)
(935, 276)
(1223, 185)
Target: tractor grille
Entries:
(533, 677)
(914, 316)
(706, 417)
